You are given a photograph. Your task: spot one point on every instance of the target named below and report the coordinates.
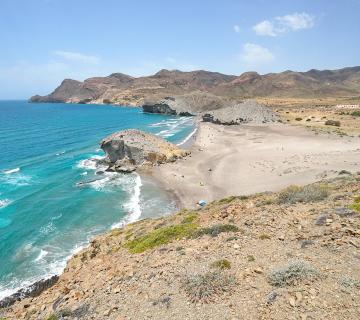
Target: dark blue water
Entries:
(46, 150)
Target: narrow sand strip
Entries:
(240, 160)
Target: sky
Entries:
(43, 42)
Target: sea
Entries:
(53, 196)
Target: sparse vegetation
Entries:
(221, 264)
(251, 258)
(334, 123)
(310, 193)
(204, 287)
(298, 119)
(356, 204)
(355, 113)
(160, 236)
(215, 230)
(264, 236)
(53, 317)
(349, 282)
(292, 273)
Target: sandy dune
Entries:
(239, 160)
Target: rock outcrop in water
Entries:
(128, 149)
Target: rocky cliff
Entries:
(128, 149)
(122, 89)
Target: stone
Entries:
(292, 301)
(128, 149)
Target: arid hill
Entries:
(121, 89)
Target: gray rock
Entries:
(321, 220)
(32, 291)
(345, 212)
(126, 150)
(271, 297)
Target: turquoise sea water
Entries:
(46, 150)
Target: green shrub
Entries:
(215, 230)
(159, 237)
(53, 317)
(310, 193)
(335, 123)
(356, 204)
(298, 119)
(355, 113)
(191, 217)
(295, 271)
(204, 287)
(221, 264)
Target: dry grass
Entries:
(309, 193)
(292, 273)
(205, 287)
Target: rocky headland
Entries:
(129, 149)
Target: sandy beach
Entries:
(241, 160)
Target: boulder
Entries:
(128, 149)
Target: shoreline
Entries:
(241, 160)
(207, 142)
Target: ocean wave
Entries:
(11, 171)
(16, 179)
(188, 137)
(133, 206)
(43, 253)
(90, 163)
(60, 153)
(4, 203)
(173, 126)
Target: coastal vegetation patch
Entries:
(205, 287)
(221, 264)
(356, 204)
(309, 193)
(292, 273)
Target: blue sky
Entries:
(45, 41)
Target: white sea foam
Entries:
(133, 206)
(60, 153)
(188, 137)
(11, 171)
(16, 179)
(42, 255)
(173, 126)
(4, 203)
(91, 163)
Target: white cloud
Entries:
(283, 24)
(77, 57)
(265, 28)
(254, 55)
(236, 28)
(297, 21)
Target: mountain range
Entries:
(122, 89)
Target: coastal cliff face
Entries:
(126, 90)
(191, 104)
(287, 255)
(128, 149)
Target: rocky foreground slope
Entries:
(288, 255)
(126, 90)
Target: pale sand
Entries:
(240, 160)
